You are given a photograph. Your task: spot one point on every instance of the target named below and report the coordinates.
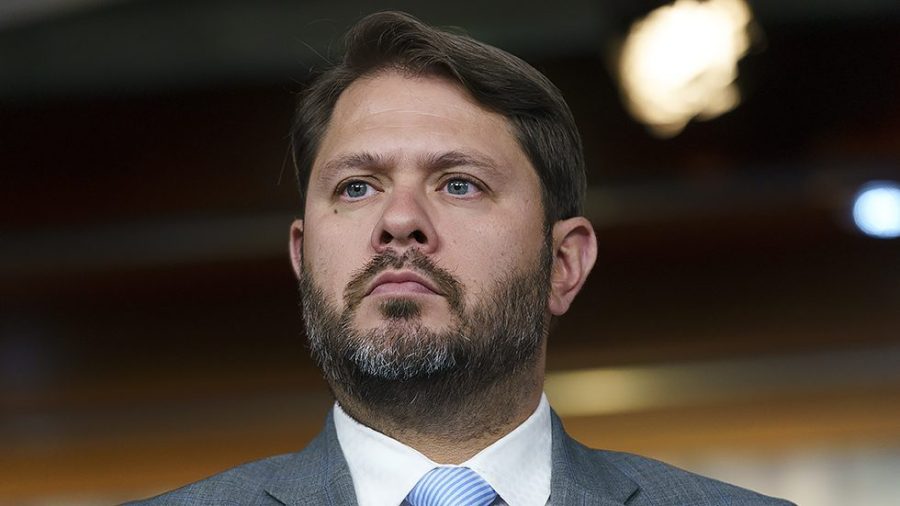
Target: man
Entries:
(443, 181)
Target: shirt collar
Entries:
(384, 470)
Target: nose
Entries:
(404, 223)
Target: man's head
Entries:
(442, 179)
(536, 112)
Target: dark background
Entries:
(149, 328)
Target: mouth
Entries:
(401, 283)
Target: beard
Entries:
(468, 378)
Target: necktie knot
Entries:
(451, 486)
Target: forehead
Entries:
(391, 92)
(392, 111)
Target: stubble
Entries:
(463, 382)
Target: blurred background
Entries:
(743, 320)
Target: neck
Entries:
(460, 428)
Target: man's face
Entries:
(415, 164)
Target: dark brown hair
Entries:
(497, 80)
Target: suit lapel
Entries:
(316, 476)
(319, 475)
(582, 476)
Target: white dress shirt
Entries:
(384, 470)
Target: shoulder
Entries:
(626, 478)
(664, 484)
(243, 484)
(292, 477)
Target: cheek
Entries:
(334, 253)
(512, 235)
(492, 248)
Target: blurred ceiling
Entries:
(63, 47)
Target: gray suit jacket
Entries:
(318, 476)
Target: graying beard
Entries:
(402, 351)
(375, 353)
(404, 368)
(375, 359)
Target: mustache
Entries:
(444, 281)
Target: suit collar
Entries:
(319, 475)
(316, 476)
(584, 476)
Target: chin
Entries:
(411, 325)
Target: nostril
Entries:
(419, 237)
(386, 238)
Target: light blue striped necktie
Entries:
(451, 486)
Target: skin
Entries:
(446, 176)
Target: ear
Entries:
(574, 253)
(296, 246)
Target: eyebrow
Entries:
(348, 162)
(432, 162)
(450, 159)
(354, 161)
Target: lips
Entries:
(401, 281)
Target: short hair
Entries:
(500, 82)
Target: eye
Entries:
(461, 187)
(355, 189)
